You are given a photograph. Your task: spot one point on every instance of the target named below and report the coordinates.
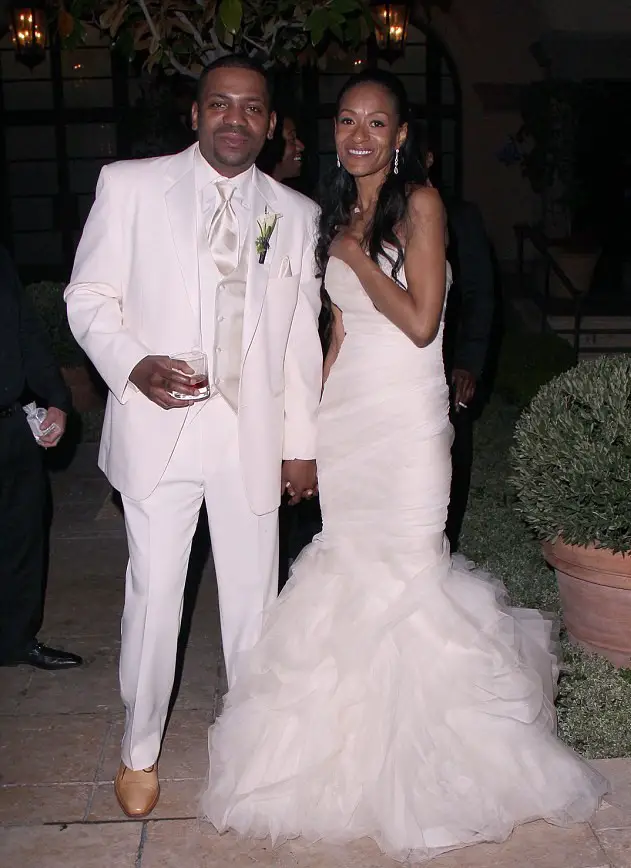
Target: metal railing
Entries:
(524, 234)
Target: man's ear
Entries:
(272, 125)
(194, 116)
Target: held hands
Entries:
(299, 480)
(464, 388)
(156, 376)
(56, 418)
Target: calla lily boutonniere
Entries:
(267, 224)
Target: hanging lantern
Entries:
(28, 31)
(391, 27)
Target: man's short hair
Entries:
(235, 61)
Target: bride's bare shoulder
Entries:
(424, 205)
(425, 202)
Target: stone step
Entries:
(605, 341)
(600, 335)
(591, 323)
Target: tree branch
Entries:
(175, 63)
(256, 44)
(192, 29)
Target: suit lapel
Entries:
(182, 210)
(262, 197)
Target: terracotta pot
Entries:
(595, 589)
(578, 265)
(85, 395)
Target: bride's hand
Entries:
(345, 246)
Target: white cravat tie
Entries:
(223, 232)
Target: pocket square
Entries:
(285, 268)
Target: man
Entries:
(26, 363)
(468, 324)
(173, 258)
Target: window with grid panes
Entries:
(431, 81)
(60, 127)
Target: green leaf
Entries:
(336, 17)
(317, 24)
(352, 32)
(337, 31)
(343, 7)
(231, 14)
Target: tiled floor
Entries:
(60, 734)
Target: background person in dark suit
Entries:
(26, 366)
(468, 326)
(281, 158)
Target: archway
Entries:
(432, 83)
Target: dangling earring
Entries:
(338, 161)
(396, 161)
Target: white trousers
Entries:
(160, 529)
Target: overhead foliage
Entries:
(186, 35)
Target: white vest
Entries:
(222, 327)
(221, 306)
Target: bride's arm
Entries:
(418, 310)
(337, 336)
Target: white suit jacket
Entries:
(134, 292)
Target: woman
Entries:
(282, 155)
(392, 694)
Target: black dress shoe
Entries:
(43, 657)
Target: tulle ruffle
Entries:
(411, 706)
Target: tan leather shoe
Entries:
(137, 792)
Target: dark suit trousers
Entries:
(22, 502)
(461, 461)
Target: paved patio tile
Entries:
(93, 556)
(107, 845)
(44, 803)
(49, 749)
(84, 605)
(14, 682)
(616, 810)
(91, 688)
(70, 488)
(200, 680)
(178, 799)
(616, 844)
(537, 845)
(173, 844)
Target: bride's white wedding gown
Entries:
(393, 693)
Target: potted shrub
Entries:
(47, 298)
(572, 474)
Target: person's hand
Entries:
(464, 388)
(346, 245)
(156, 376)
(55, 417)
(299, 480)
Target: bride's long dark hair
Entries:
(339, 191)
